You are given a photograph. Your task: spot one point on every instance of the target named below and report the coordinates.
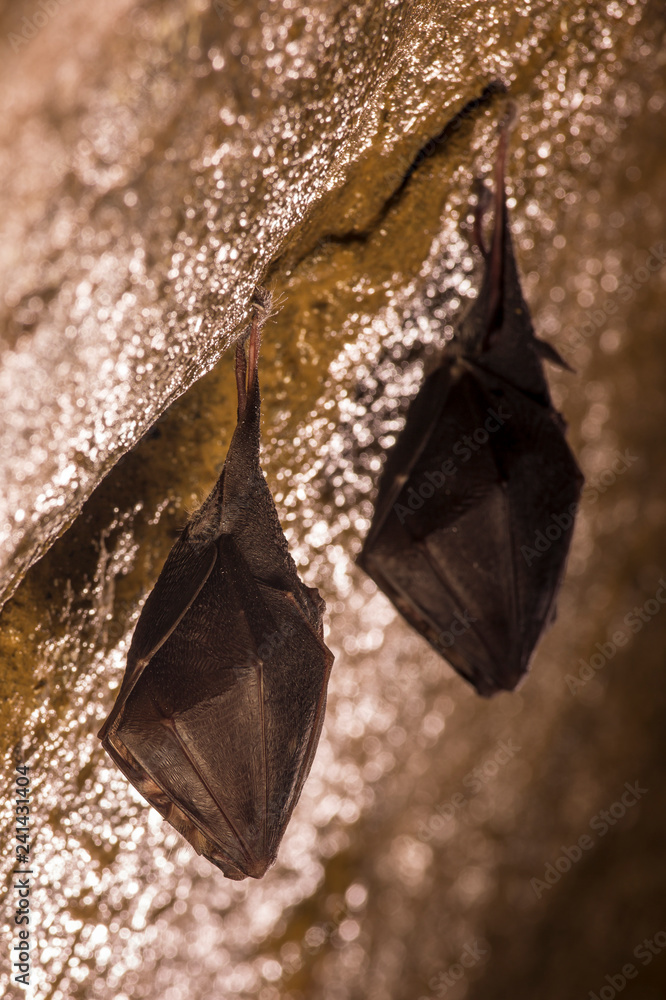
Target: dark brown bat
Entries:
(223, 698)
(477, 500)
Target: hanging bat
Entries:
(477, 500)
(222, 702)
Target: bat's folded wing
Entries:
(453, 552)
(184, 573)
(422, 418)
(449, 586)
(202, 769)
(543, 484)
(220, 728)
(295, 700)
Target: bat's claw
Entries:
(247, 368)
(262, 300)
(484, 200)
(510, 117)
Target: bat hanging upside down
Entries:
(476, 504)
(222, 702)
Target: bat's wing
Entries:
(460, 553)
(543, 486)
(453, 566)
(220, 728)
(423, 415)
(184, 573)
(441, 548)
(222, 703)
(295, 699)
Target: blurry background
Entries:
(159, 159)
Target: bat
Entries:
(222, 702)
(477, 500)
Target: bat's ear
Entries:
(549, 353)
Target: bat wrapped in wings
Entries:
(222, 702)
(477, 500)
